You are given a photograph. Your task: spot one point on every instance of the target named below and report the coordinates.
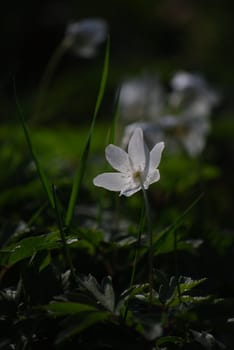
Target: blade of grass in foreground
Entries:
(59, 218)
(46, 79)
(81, 169)
(43, 178)
(112, 131)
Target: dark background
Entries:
(163, 36)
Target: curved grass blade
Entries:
(112, 132)
(81, 169)
(46, 79)
(67, 256)
(41, 173)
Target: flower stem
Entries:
(150, 237)
(138, 244)
(176, 265)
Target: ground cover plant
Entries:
(84, 267)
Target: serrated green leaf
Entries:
(104, 293)
(188, 299)
(189, 284)
(180, 288)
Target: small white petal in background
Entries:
(85, 36)
(141, 98)
(181, 117)
(192, 95)
(138, 167)
(178, 133)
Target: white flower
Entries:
(84, 36)
(192, 95)
(141, 98)
(178, 132)
(136, 168)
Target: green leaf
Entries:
(104, 293)
(27, 247)
(45, 262)
(188, 283)
(69, 308)
(90, 235)
(184, 285)
(207, 340)
(169, 339)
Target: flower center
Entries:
(136, 176)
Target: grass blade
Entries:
(46, 79)
(67, 256)
(81, 169)
(43, 178)
(112, 132)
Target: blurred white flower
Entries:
(178, 132)
(189, 106)
(136, 168)
(84, 36)
(192, 95)
(141, 98)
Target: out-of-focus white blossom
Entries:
(85, 36)
(180, 117)
(141, 98)
(192, 95)
(177, 132)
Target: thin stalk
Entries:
(150, 237)
(179, 220)
(37, 214)
(176, 265)
(67, 256)
(47, 77)
(138, 245)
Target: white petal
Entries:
(138, 151)
(155, 155)
(152, 177)
(130, 190)
(118, 158)
(111, 181)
